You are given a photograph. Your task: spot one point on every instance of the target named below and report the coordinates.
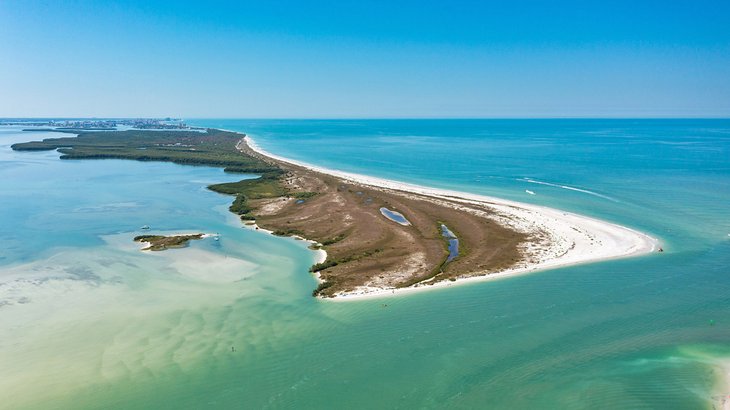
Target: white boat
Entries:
(529, 192)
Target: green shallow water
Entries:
(88, 321)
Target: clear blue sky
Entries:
(365, 58)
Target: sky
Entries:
(365, 59)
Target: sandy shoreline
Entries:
(321, 254)
(575, 239)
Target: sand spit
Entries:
(573, 239)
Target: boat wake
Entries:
(570, 188)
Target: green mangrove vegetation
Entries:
(161, 242)
(322, 286)
(288, 232)
(334, 239)
(330, 262)
(212, 148)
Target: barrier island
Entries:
(369, 252)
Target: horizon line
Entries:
(372, 118)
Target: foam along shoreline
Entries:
(575, 239)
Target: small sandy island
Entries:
(374, 254)
(161, 242)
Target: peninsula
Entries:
(379, 236)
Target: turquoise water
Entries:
(94, 322)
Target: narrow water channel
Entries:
(453, 243)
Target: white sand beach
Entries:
(573, 239)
